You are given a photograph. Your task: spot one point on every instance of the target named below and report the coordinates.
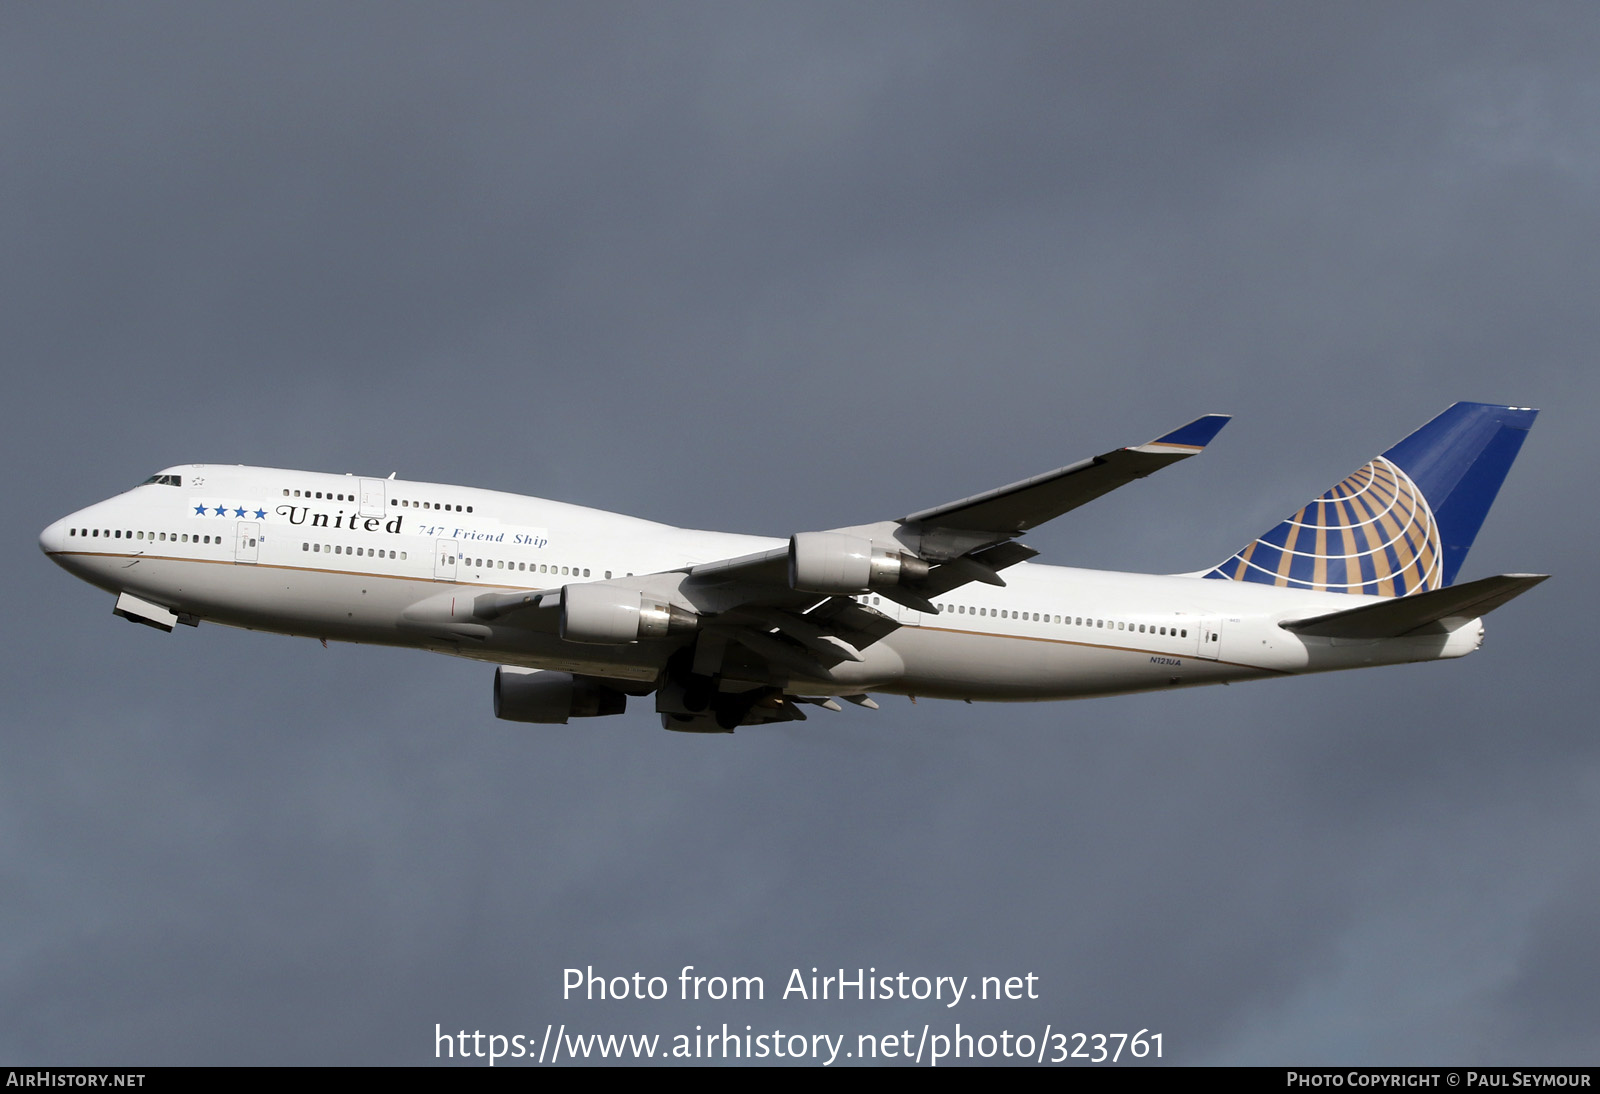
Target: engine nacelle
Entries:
(839, 564)
(550, 698)
(606, 614)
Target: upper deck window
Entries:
(163, 480)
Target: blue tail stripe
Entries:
(1459, 461)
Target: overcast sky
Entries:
(768, 268)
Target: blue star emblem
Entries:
(199, 510)
(261, 514)
(238, 512)
(222, 510)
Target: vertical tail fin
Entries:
(1404, 522)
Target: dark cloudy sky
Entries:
(770, 268)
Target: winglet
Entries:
(1189, 438)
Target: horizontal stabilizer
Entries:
(1396, 616)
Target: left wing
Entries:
(932, 551)
(1012, 510)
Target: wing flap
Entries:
(855, 623)
(984, 565)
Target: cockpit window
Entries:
(163, 480)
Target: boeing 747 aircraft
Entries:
(581, 609)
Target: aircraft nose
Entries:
(53, 540)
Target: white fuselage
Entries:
(399, 563)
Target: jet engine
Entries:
(607, 614)
(839, 564)
(550, 698)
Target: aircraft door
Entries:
(906, 617)
(248, 544)
(444, 560)
(1210, 637)
(374, 497)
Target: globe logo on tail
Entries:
(1373, 533)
